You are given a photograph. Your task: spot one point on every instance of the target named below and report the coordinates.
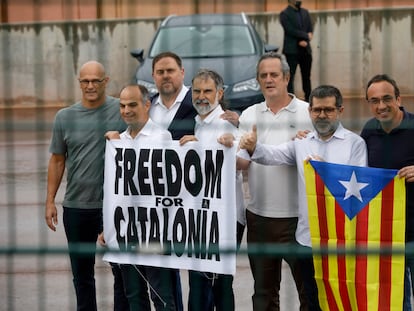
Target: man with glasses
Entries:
(330, 142)
(389, 136)
(78, 144)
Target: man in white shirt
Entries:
(173, 110)
(210, 290)
(330, 142)
(134, 108)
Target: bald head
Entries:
(92, 80)
(92, 67)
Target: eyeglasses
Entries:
(95, 82)
(328, 111)
(387, 99)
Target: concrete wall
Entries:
(39, 62)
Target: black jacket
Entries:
(294, 31)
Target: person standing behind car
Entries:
(173, 110)
(298, 32)
(388, 135)
(272, 211)
(78, 144)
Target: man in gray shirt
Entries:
(78, 144)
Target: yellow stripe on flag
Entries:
(374, 226)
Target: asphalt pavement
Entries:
(43, 281)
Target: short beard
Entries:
(203, 110)
(324, 128)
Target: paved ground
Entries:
(43, 282)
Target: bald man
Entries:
(78, 145)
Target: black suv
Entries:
(226, 43)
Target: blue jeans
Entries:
(209, 290)
(83, 226)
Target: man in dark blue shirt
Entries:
(389, 138)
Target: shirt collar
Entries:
(339, 133)
(145, 131)
(291, 107)
(178, 100)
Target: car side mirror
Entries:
(138, 54)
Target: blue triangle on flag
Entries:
(353, 186)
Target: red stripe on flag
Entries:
(340, 235)
(387, 212)
(323, 228)
(361, 260)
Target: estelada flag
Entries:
(353, 207)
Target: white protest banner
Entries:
(170, 206)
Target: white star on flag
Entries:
(353, 187)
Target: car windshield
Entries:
(204, 41)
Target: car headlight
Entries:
(152, 89)
(248, 85)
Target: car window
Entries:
(204, 41)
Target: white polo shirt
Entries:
(273, 189)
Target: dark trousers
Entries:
(120, 299)
(83, 226)
(164, 286)
(267, 269)
(239, 232)
(209, 290)
(304, 60)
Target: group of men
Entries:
(277, 209)
(78, 144)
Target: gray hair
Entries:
(204, 73)
(281, 57)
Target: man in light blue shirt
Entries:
(330, 142)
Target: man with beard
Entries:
(210, 290)
(330, 142)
